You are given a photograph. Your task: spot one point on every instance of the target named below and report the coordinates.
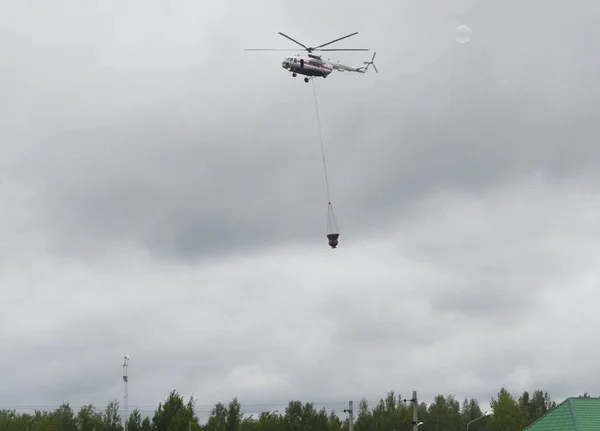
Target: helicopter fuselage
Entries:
(310, 67)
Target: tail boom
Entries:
(361, 69)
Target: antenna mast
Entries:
(126, 397)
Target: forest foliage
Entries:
(392, 413)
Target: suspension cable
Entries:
(321, 140)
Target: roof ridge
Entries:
(572, 414)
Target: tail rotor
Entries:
(370, 63)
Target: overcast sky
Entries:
(162, 195)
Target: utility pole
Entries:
(126, 397)
(350, 411)
(415, 412)
(415, 406)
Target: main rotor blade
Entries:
(293, 40)
(270, 49)
(342, 49)
(333, 41)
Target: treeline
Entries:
(392, 413)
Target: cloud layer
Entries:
(162, 195)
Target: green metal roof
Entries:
(573, 414)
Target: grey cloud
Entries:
(187, 185)
(199, 339)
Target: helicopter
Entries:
(313, 65)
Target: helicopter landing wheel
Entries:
(294, 74)
(306, 80)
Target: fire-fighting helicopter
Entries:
(313, 65)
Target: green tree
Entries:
(146, 424)
(268, 421)
(507, 414)
(63, 418)
(470, 409)
(391, 413)
(297, 415)
(525, 407)
(217, 420)
(111, 418)
(334, 423)
(234, 416)
(364, 419)
(134, 423)
(88, 419)
(540, 404)
(174, 414)
(10, 420)
(41, 421)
